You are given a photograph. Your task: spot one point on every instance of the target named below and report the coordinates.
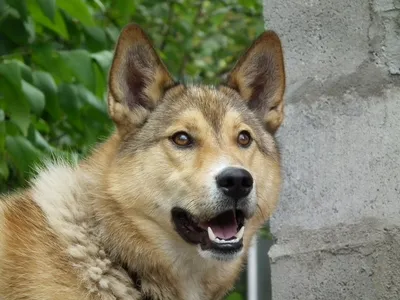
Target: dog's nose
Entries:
(235, 182)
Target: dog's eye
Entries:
(182, 139)
(244, 139)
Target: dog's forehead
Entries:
(208, 102)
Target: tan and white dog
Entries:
(166, 208)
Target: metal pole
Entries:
(252, 272)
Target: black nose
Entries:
(235, 182)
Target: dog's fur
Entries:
(102, 229)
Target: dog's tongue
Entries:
(224, 226)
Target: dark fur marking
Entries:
(264, 84)
(137, 282)
(214, 114)
(135, 80)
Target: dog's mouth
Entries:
(223, 233)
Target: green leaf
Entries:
(101, 81)
(125, 9)
(2, 131)
(96, 38)
(69, 100)
(4, 172)
(2, 8)
(29, 25)
(49, 59)
(58, 26)
(42, 126)
(49, 8)
(22, 153)
(16, 106)
(20, 6)
(103, 59)
(41, 142)
(234, 296)
(113, 33)
(89, 98)
(15, 30)
(80, 63)
(11, 72)
(26, 71)
(12, 128)
(77, 9)
(45, 82)
(34, 96)
(38, 140)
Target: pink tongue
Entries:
(224, 232)
(225, 227)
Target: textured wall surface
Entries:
(337, 224)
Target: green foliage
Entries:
(55, 57)
(234, 296)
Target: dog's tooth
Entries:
(211, 234)
(222, 241)
(239, 235)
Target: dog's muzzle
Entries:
(223, 232)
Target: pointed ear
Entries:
(259, 77)
(138, 79)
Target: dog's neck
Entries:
(166, 273)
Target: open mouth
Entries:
(223, 233)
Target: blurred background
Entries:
(54, 61)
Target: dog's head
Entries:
(200, 162)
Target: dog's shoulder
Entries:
(64, 193)
(31, 258)
(49, 230)
(17, 215)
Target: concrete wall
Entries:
(338, 222)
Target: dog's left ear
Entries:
(138, 79)
(259, 77)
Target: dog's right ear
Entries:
(137, 81)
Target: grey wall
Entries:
(338, 221)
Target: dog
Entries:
(167, 207)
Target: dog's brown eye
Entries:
(182, 139)
(244, 139)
